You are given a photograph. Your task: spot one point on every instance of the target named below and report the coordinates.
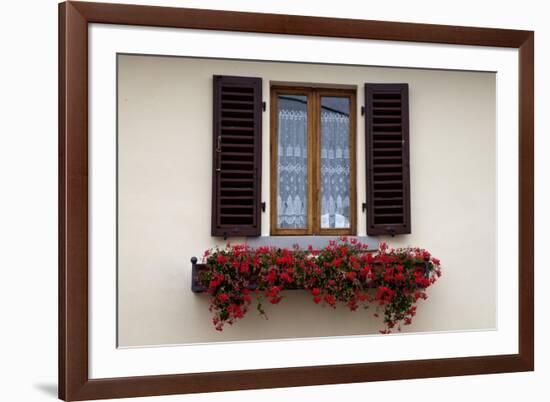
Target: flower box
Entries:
(344, 272)
(197, 268)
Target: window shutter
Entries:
(387, 152)
(237, 156)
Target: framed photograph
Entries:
(264, 200)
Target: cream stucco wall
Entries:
(164, 184)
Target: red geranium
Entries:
(344, 272)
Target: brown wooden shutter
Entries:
(387, 151)
(237, 156)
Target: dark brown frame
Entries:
(74, 382)
(314, 95)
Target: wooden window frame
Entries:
(313, 95)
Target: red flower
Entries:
(273, 291)
(235, 310)
(272, 276)
(315, 291)
(317, 299)
(213, 284)
(352, 304)
(223, 297)
(286, 277)
(244, 268)
(330, 299)
(364, 272)
(351, 275)
(222, 259)
(362, 296)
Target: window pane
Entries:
(335, 162)
(292, 162)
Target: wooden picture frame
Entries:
(74, 380)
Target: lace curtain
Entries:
(292, 164)
(335, 169)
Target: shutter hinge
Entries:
(391, 231)
(264, 107)
(263, 206)
(364, 206)
(362, 110)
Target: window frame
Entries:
(313, 94)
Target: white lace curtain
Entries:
(335, 170)
(292, 151)
(292, 167)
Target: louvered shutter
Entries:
(237, 156)
(387, 152)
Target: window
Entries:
(313, 161)
(312, 166)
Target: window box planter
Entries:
(344, 272)
(198, 268)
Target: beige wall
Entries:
(164, 184)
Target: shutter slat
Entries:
(236, 128)
(236, 174)
(387, 142)
(245, 119)
(236, 137)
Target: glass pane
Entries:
(292, 162)
(335, 162)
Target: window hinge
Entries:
(364, 206)
(362, 110)
(263, 206)
(264, 106)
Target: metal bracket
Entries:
(362, 110)
(263, 206)
(364, 206)
(264, 107)
(195, 287)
